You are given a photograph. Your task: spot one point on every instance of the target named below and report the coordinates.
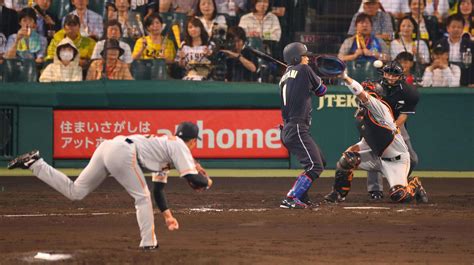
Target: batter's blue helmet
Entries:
(293, 52)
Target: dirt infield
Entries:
(238, 222)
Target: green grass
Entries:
(259, 173)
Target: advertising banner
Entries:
(224, 133)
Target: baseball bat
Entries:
(265, 56)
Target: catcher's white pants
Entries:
(395, 172)
(118, 159)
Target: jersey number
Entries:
(283, 94)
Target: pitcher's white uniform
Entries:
(396, 170)
(125, 158)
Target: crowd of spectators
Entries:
(206, 39)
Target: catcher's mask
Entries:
(292, 53)
(395, 69)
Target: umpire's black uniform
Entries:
(296, 87)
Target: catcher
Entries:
(126, 158)
(382, 148)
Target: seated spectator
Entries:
(154, 45)
(47, 23)
(91, 22)
(261, 22)
(185, 6)
(113, 30)
(166, 6)
(143, 7)
(437, 8)
(65, 66)
(232, 8)
(406, 41)
(3, 46)
(440, 73)
(84, 45)
(428, 25)
(457, 44)
(241, 63)
(206, 12)
(110, 65)
(396, 8)
(465, 9)
(27, 43)
(195, 51)
(132, 25)
(406, 61)
(363, 46)
(381, 21)
(8, 20)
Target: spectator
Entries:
(465, 9)
(143, 7)
(113, 30)
(27, 43)
(111, 12)
(261, 23)
(16, 5)
(3, 46)
(406, 61)
(47, 23)
(440, 73)
(457, 44)
(231, 8)
(8, 20)
(166, 6)
(65, 67)
(154, 45)
(363, 46)
(195, 51)
(407, 30)
(241, 63)
(84, 45)
(91, 22)
(206, 12)
(428, 25)
(132, 26)
(381, 21)
(110, 65)
(185, 6)
(396, 8)
(437, 8)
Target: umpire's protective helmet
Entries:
(393, 68)
(293, 52)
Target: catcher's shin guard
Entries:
(344, 172)
(399, 193)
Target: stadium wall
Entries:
(442, 130)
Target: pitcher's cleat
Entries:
(25, 160)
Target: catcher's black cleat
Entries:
(150, 248)
(376, 195)
(25, 160)
(293, 203)
(334, 197)
(420, 193)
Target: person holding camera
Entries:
(241, 63)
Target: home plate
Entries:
(367, 208)
(52, 257)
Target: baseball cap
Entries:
(440, 48)
(72, 19)
(187, 131)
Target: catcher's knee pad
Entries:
(399, 193)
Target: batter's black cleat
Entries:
(293, 203)
(24, 161)
(334, 197)
(376, 195)
(150, 248)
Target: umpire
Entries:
(296, 87)
(403, 99)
